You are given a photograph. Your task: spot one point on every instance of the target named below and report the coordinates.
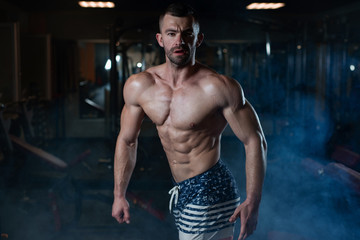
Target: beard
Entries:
(179, 60)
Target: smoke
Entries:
(300, 201)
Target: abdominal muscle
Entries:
(189, 152)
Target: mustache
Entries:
(183, 48)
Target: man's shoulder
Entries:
(140, 78)
(226, 89)
(136, 85)
(209, 76)
(140, 81)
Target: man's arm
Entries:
(244, 122)
(125, 151)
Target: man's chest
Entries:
(182, 108)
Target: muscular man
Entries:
(191, 105)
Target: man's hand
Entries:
(248, 214)
(120, 210)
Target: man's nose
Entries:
(180, 39)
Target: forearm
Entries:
(255, 167)
(124, 163)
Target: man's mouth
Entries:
(179, 51)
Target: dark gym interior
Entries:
(62, 71)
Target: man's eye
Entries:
(171, 34)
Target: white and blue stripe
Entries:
(199, 219)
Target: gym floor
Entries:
(40, 202)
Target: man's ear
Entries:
(159, 39)
(200, 39)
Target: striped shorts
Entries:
(202, 205)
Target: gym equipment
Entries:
(48, 157)
(7, 140)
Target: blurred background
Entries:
(63, 65)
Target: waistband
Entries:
(200, 177)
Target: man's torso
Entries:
(188, 118)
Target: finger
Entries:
(118, 218)
(242, 228)
(242, 232)
(251, 227)
(242, 237)
(126, 216)
(234, 216)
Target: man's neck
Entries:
(176, 75)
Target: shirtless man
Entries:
(191, 105)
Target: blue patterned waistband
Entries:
(201, 177)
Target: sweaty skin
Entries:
(190, 105)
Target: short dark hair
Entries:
(179, 10)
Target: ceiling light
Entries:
(91, 4)
(264, 5)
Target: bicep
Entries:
(240, 115)
(132, 114)
(244, 122)
(131, 119)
